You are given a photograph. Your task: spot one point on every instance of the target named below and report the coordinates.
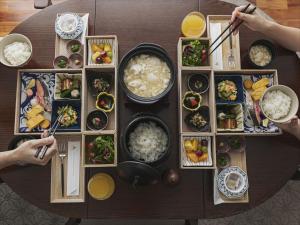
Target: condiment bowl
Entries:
(198, 83)
(9, 39)
(294, 104)
(75, 61)
(97, 114)
(199, 14)
(57, 60)
(71, 43)
(266, 44)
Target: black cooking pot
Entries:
(148, 49)
(140, 118)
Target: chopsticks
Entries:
(43, 150)
(231, 30)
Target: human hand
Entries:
(292, 126)
(252, 21)
(24, 154)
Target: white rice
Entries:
(147, 142)
(276, 104)
(17, 53)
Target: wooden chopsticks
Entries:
(231, 30)
(41, 152)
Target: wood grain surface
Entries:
(271, 161)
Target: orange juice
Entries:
(193, 25)
(101, 186)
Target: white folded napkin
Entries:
(217, 55)
(73, 171)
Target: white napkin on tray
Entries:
(217, 55)
(73, 171)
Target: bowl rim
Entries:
(202, 17)
(267, 44)
(149, 50)
(4, 62)
(280, 87)
(137, 120)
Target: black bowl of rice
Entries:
(146, 139)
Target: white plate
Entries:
(242, 185)
(69, 35)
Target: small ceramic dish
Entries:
(10, 39)
(185, 22)
(97, 120)
(232, 182)
(223, 160)
(76, 106)
(293, 106)
(261, 53)
(101, 186)
(74, 46)
(199, 120)
(75, 61)
(230, 118)
(61, 62)
(236, 143)
(222, 145)
(198, 83)
(105, 102)
(191, 101)
(67, 86)
(97, 83)
(238, 81)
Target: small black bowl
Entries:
(198, 83)
(269, 45)
(14, 143)
(145, 118)
(97, 114)
(148, 49)
(204, 111)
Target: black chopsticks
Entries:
(231, 30)
(41, 152)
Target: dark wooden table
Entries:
(271, 161)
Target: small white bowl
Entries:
(294, 105)
(9, 39)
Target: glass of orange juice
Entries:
(101, 186)
(193, 25)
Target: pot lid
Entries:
(137, 173)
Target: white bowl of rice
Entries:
(15, 50)
(279, 103)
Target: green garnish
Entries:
(62, 63)
(75, 48)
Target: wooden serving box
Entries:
(237, 159)
(111, 39)
(56, 190)
(247, 72)
(18, 98)
(61, 44)
(224, 20)
(179, 54)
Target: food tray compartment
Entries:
(61, 44)
(90, 96)
(207, 100)
(87, 139)
(181, 65)
(228, 110)
(186, 162)
(89, 51)
(237, 158)
(252, 126)
(46, 86)
(216, 24)
(56, 190)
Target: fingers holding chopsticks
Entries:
(52, 149)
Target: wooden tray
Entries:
(251, 73)
(237, 159)
(61, 44)
(88, 137)
(112, 39)
(182, 157)
(179, 54)
(18, 98)
(223, 20)
(56, 194)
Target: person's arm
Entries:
(288, 37)
(24, 154)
